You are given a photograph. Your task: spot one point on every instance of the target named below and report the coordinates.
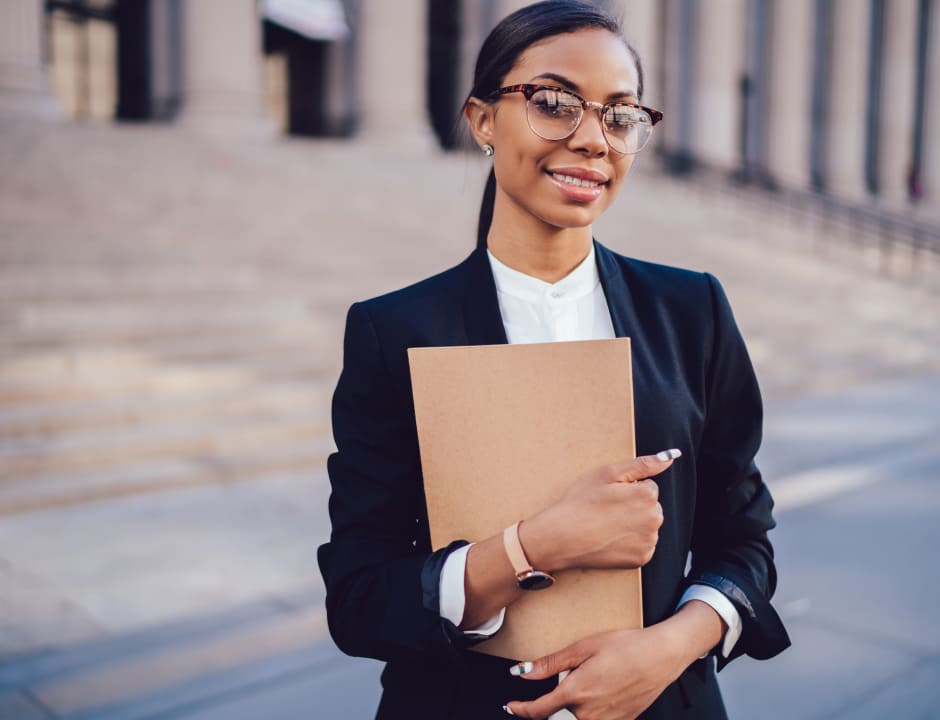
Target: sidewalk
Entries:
(172, 313)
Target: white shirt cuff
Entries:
(453, 598)
(721, 605)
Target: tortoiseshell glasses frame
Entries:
(556, 114)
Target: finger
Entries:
(541, 707)
(646, 466)
(545, 667)
(648, 486)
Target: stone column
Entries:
(931, 160)
(675, 91)
(392, 43)
(478, 18)
(23, 88)
(896, 120)
(641, 28)
(640, 20)
(506, 7)
(719, 67)
(846, 131)
(166, 57)
(790, 97)
(222, 66)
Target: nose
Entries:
(589, 138)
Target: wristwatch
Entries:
(527, 577)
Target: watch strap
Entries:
(520, 563)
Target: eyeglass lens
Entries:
(554, 115)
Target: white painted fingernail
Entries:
(507, 710)
(670, 454)
(523, 668)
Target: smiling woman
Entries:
(556, 104)
(548, 133)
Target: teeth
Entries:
(575, 181)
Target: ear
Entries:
(480, 119)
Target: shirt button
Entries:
(555, 294)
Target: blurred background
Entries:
(193, 192)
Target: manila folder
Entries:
(503, 431)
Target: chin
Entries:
(572, 217)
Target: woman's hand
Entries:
(617, 675)
(609, 517)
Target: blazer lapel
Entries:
(482, 318)
(615, 291)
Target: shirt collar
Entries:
(579, 282)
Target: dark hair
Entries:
(514, 35)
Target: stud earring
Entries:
(488, 150)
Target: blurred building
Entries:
(833, 99)
(829, 96)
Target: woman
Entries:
(556, 105)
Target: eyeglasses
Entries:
(554, 113)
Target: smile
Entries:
(578, 182)
(577, 189)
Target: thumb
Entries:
(646, 466)
(542, 707)
(550, 665)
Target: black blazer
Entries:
(694, 388)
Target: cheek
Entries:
(622, 170)
(519, 164)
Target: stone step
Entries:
(195, 326)
(45, 279)
(120, 317)
(275, 408)
(32, 287)
(144, 376)
(19, 366)
(27, 422)
(68, 487)
(19, 335)
(132, 445)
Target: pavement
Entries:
(171, 314)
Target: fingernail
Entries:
(671, 454)
(523, 668)
(507, 710)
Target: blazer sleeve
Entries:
(381, 581)
(730, 548)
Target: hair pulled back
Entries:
(513, 36)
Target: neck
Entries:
(531, 245)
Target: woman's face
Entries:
(593, 63)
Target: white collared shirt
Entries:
(574, 308)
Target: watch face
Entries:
(536, 580)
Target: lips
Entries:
(578, 184)
(581, 173)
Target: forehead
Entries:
(596, 60)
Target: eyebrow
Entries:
(562, 80)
